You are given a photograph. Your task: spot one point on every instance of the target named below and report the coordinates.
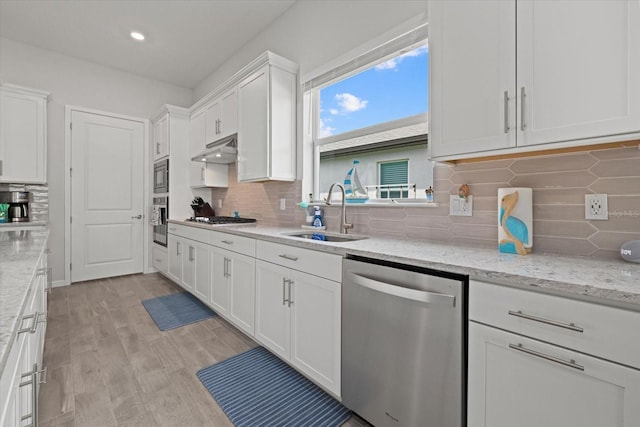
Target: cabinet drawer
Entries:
(160, 259)
(603, 331)
(193, 233)
(317, 263)
(240, 244)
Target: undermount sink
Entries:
(324, 237)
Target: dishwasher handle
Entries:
(402, 292)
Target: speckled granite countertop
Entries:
(609, 282)
(19, 253)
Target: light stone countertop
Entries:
(615, 283)
(19, 254)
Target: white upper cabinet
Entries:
(23, 135)
(572, 78)
(160, 136)
(197, 132)
(221, 117)
(267, 122)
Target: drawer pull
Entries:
(227, 242)
(289, 257)
(570, 326)
(569, 363)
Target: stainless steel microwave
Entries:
(161, 176)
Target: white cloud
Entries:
(392, 63)
(325, 130)
(334, 111)
(349, 103)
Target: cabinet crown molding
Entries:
(11, 88)
(265, 58)
(172, 109)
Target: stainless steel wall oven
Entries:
(159, 220)
(161, 176)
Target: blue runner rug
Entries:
(255, 388)
(175, 310)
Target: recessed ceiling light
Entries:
(137, 36)
(218, 155)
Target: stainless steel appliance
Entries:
(18, 202)
(223, 151)
(161, 176)
(404, 344)
(159, 220)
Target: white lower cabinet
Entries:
(520, 380)
(196, 268)
(23, 372)
(298, 316)
(160, 258)
(232, 292)
(174, 250)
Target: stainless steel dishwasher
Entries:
(404, 344)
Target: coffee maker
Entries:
(18, 202)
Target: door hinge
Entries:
(70, 126)
(70, 219)
(70, 172)
(70, 266)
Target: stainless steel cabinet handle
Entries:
(228, 266)
(569, 363)
(522, 96)
(33, 382)
(289, 257)
(157, 148)
(227, 242)
(178, 248)
(30, 329)
(290, 299)
(570, 326)
(506, 111)
(191, 250)
(136, 217)
(406, 293)
(202, 168)
(284, 298)
(49, 280)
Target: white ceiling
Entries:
(186, 40)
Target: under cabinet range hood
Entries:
(223, 151)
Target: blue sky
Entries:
(392, 90)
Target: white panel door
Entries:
(472, 84)
(315, 328)
(106, 196)
(579, 68)
(552, 387)
(273, 316)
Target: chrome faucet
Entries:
(344, 226)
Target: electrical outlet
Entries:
(595, 207)
(459, 206)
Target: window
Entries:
(393, 179)
(373, 110)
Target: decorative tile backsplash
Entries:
(39, 205)
(559, 184)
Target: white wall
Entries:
(80, 83)
(313, 32)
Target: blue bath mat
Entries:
(255, 388)
(175, 310)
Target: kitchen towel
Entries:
(256, 388)
(175, 310)
(515, 220)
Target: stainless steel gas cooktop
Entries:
(214, 220)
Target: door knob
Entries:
(137, 217)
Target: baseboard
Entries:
(59, 283)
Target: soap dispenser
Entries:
(317, 217)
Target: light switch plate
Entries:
(459, 206)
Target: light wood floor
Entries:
(109, 364)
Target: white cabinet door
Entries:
(174, 249)
(229, 113)
(188, 264)
(197, 132)
(579, 68)
(219, 294)
(472, 83)
(550, 387)
(202, 270)
(242, 291)
(23, 126)
(208, 175)
(160, 259)
(273, 317)
(315, 328)
(266, 126)
(160, 136)
(212, 121)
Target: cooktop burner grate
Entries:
(221, 220)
